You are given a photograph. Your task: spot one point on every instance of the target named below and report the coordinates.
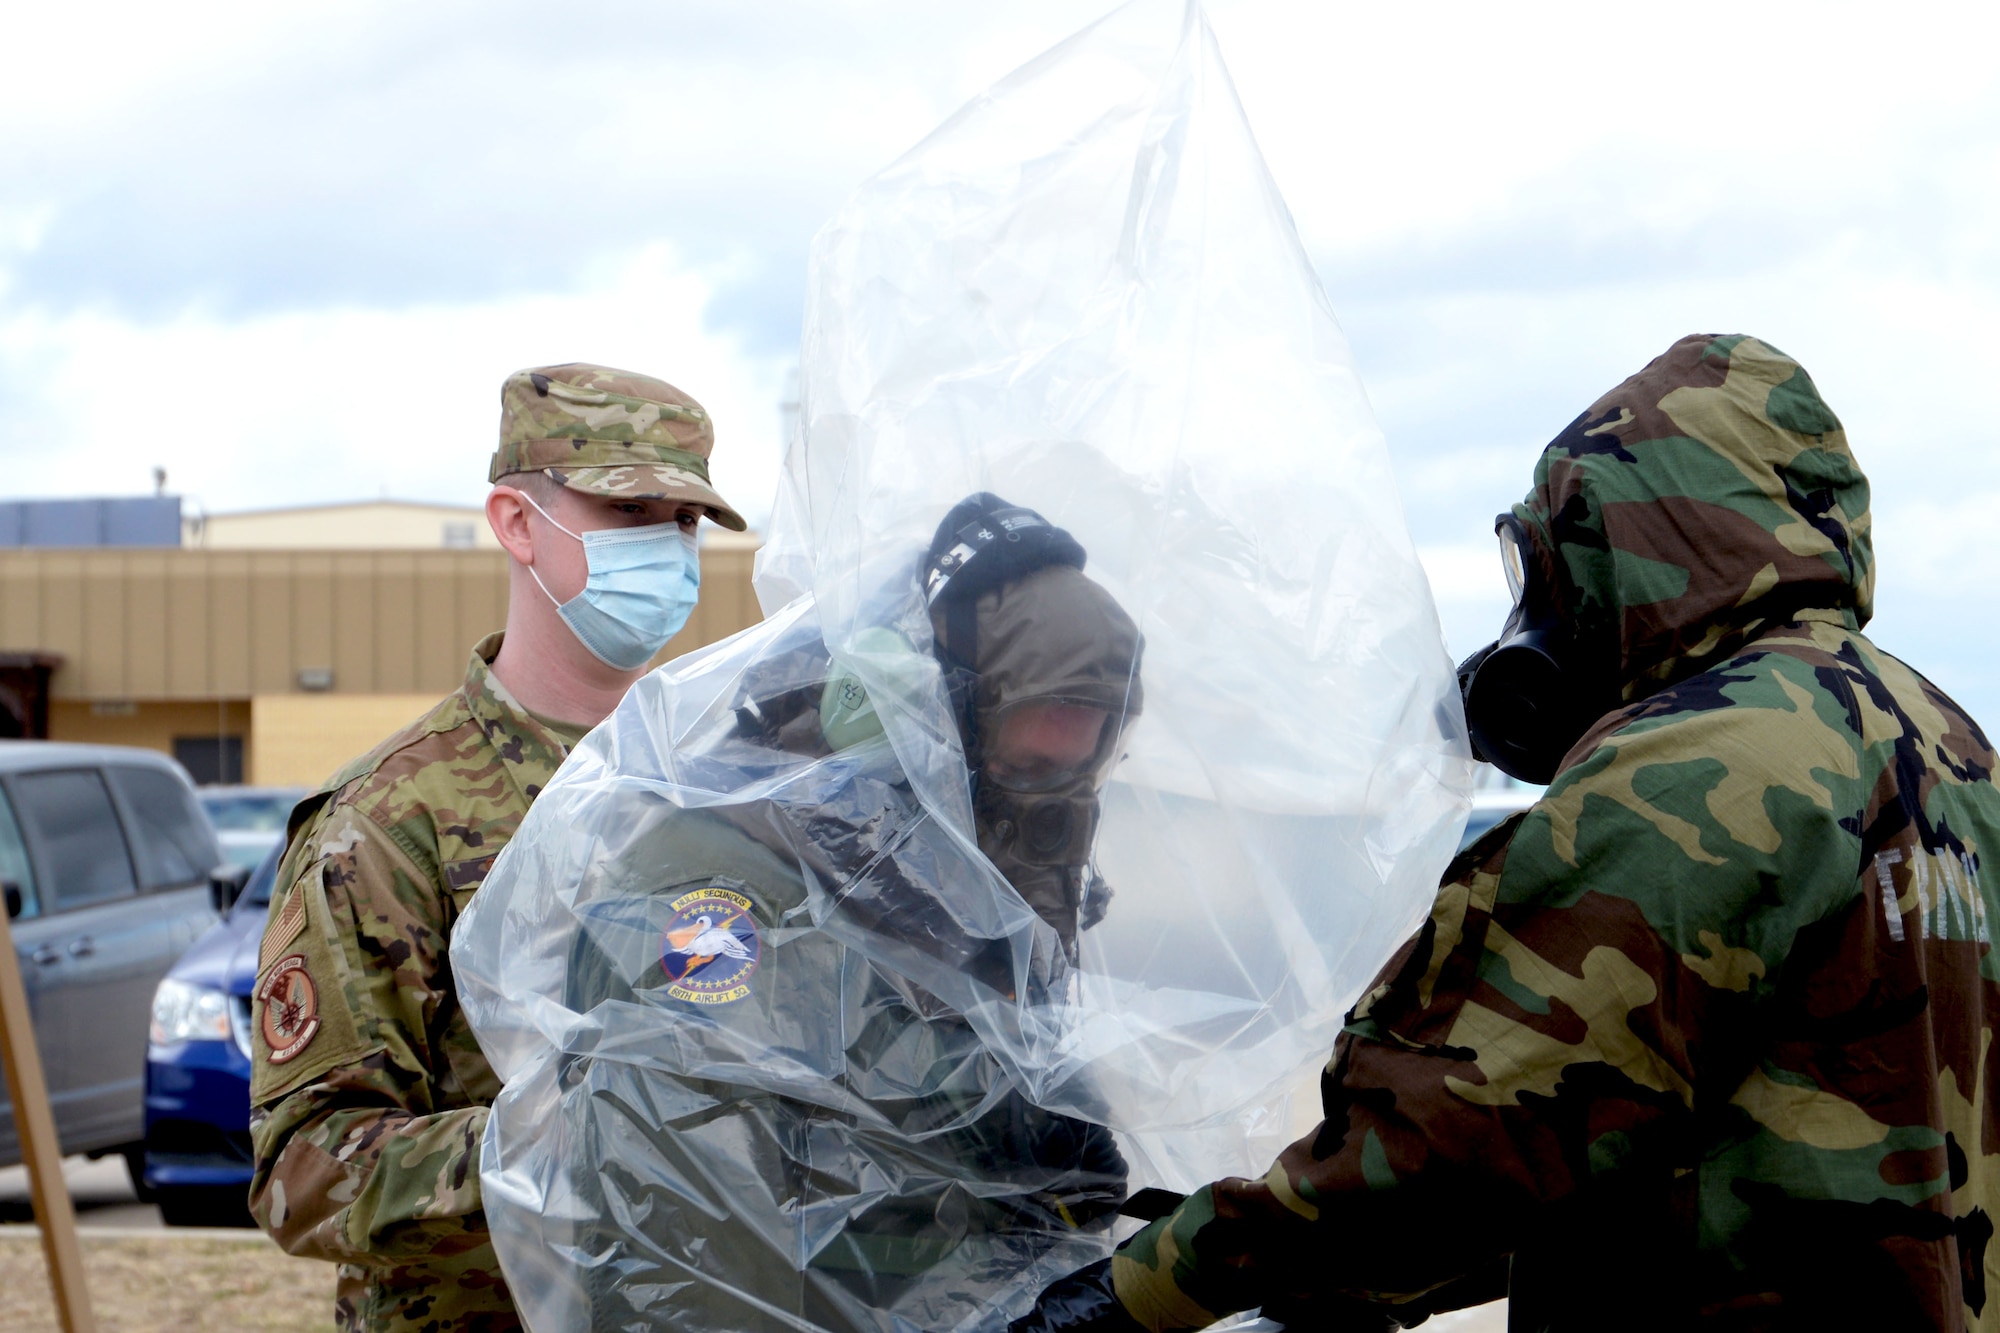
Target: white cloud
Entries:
(1386, 122)
(1513, 208)
(352, 403)
(1470, 591)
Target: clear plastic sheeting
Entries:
(1098, 746)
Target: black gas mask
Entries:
(1532, 693)
(1034, 800)
(1043, 668)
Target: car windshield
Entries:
(1479, 821)
(1495, 797)
(263, 811)
(247, 849)
(257, 893)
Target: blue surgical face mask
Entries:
(639, 592)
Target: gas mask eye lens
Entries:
(1513, 558)
(1045, 744)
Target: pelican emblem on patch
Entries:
(711, 947)
(290, 1006)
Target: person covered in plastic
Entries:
(811, 1134)
(1705, 1037)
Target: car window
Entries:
(68, 812)
(14, 866)
(257, 893)
(247, 849)
(1478, 822)
(249, 812)
(170, 837)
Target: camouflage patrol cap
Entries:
(608, 432)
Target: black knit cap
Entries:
(983, 543)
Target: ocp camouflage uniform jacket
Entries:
(1707, 1034)
(369, 1093)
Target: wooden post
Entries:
(36, 1129)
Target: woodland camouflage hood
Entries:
(1708, 496)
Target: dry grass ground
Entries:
(172, 1282)
(156, 1282)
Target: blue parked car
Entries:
(198, 1067)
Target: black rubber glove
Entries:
(1083, 1302)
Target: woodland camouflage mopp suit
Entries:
(1706, 1035)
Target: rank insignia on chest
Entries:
(711, 947)
(288, 1005)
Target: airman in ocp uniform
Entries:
(368, 1091)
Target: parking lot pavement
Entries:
(101, 1191)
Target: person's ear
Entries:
(507, 515)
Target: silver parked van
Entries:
(109, 869)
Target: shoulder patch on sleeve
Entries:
(288, 1009)
(302, 1020)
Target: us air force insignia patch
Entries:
(290, 1006)
(711, 948)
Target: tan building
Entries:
(367, 525)
(271, 665)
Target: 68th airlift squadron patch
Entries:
(711, 947)
(290, 1006)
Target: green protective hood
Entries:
(1053, 633)
(1706, 497)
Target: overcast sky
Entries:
(288, 252)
